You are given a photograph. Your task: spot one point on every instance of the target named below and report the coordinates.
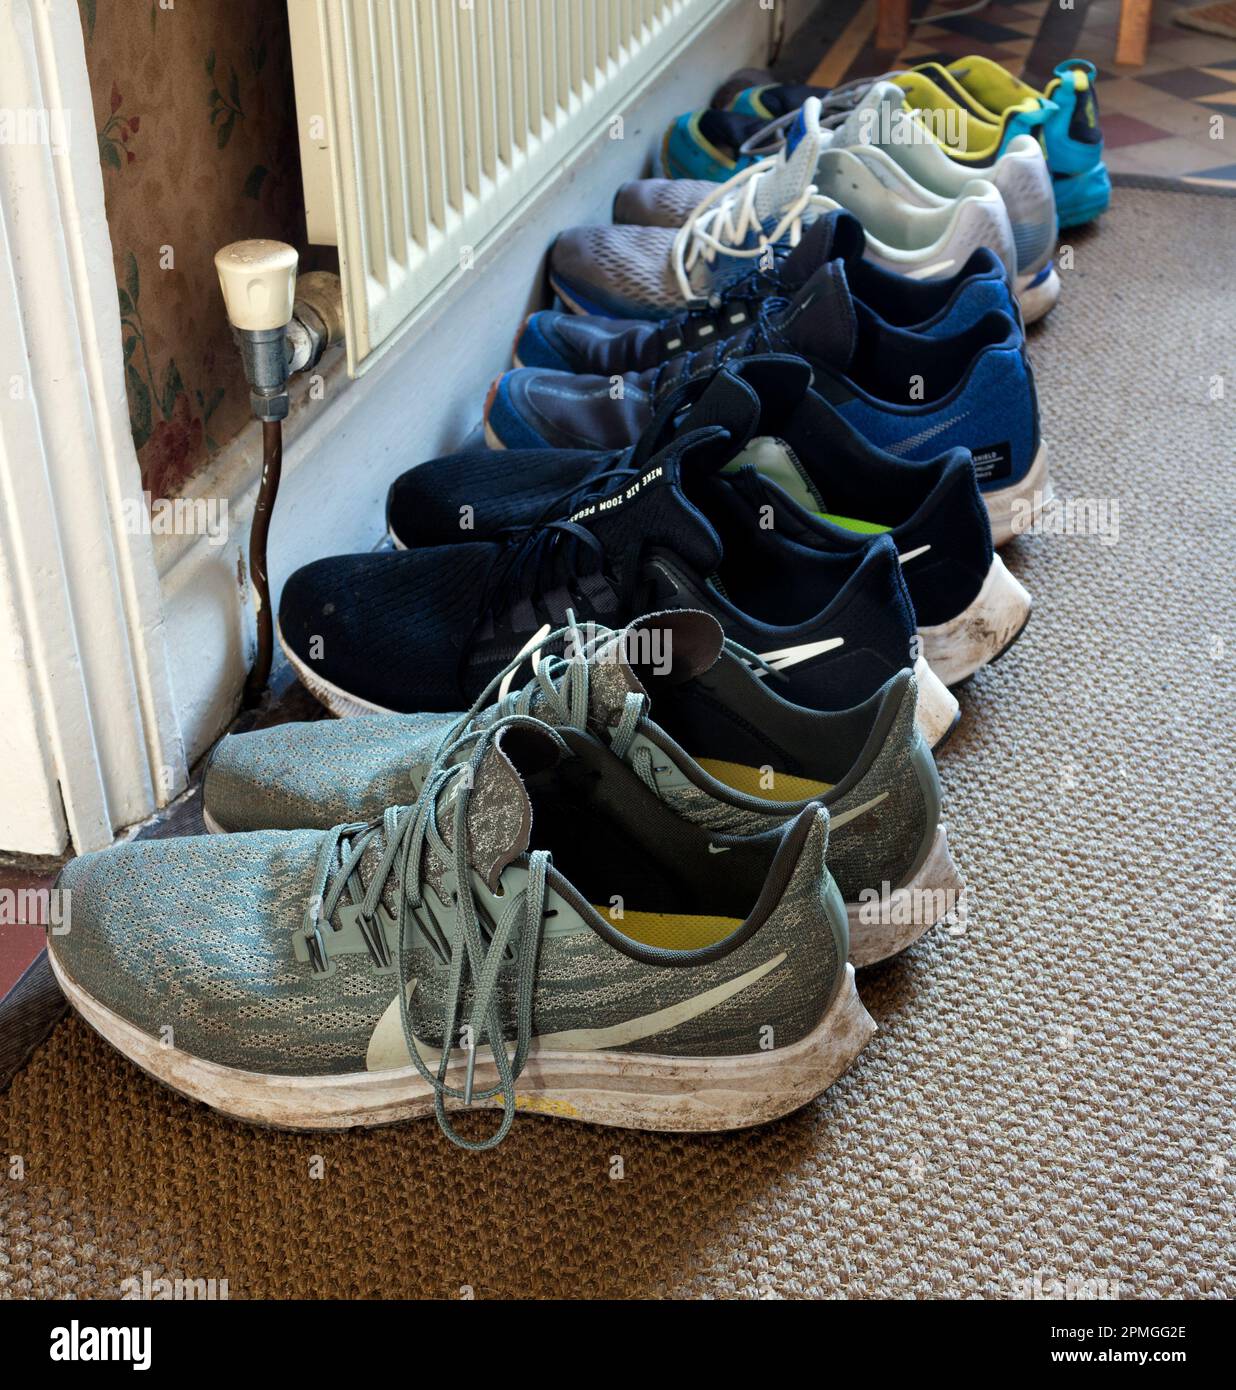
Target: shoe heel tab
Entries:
(901, 701)
(882, 565)
(1081, 71)
(800, 858)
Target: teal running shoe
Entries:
(755, 761)
(1071, 136)
(537, 931)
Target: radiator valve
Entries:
(281, 326)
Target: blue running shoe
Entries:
(908, 393)
(602, 346)
(718, 143)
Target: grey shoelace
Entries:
(473, 960)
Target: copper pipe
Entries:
(272, 468)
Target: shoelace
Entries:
(473, 960)
(755, 286)
(538, 565)
(723, 221)
(563, 682)
(573, 499)
(756, 337)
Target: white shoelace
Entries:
(724, 220)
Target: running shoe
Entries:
(425, 629)
(914, 167)
(719, 142)
(701, 723)
(650, 272)
(641, 272)
(978, 109)
(795, 462)
(910, 394)
(1072, 137)
(537, 931)
(603, 347)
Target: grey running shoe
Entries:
(377, 972)
(648, 272)
(725, 751)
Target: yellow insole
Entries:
(990, 84)
(771, 785)
(978, 138)
(672, 931)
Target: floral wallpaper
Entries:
(196, 123)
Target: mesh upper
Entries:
(504, 488)
(660, 202)
(391, 628)
(619, 267)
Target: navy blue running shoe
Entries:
(426, 629)
(795, 462)
(908, 394)
(939, 308)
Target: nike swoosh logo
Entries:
(835, 822)
(648, 1025)
(913, 554)
(387, 1048)
(927, 271)
(719, 849)
(791, 656)
(534, 641)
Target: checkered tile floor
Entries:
(1173, 118)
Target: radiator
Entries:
(425, 125)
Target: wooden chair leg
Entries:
(1134, 33)
(892, 25)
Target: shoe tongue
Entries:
(836, 235)
(820, 322)
(729, 402)
(794, 169)
(750, 396)
(661, 648)
(499, 814)
(654, 512)
(863, 126)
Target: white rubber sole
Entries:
(338, 701)
(1041, 299)
(1010, 509)
(628, 1089)
(982, 631)
(884, 929)
(937, 711)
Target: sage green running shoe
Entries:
(724, 750)
(377, 972)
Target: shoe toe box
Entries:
(387, 628)
(190, 942)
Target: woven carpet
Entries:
(1052, 1094)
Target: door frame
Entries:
(87, 698)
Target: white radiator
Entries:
(425, 124)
